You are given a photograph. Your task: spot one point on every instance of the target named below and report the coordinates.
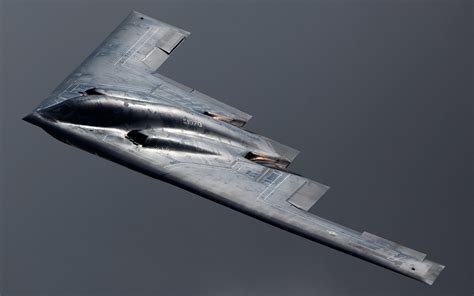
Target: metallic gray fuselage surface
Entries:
(117, 106)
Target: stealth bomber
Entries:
(117, 106)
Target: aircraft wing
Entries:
(275, 196)
(115, 105)
(284, 200)
(127, 60)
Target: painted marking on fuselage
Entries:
(269, 189)
(192, 122)
(276, 186)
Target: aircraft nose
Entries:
(33, 118)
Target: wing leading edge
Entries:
(127, 60)
(283, 199)
(182, 142)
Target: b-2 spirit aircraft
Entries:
(117, 106)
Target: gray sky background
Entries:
(377, 95)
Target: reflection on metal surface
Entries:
(267, 161)
(223, 118)
(115, 105)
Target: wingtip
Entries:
(433, 273)
(135, 13)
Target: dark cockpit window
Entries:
(93, 91)
(137, 137)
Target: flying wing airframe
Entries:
(116, 105)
